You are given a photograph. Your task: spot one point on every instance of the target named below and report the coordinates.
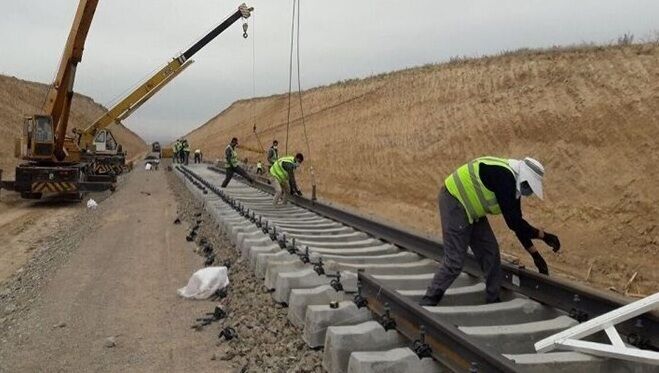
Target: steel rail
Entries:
(449, 345)
(581, 302)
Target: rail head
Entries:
(449, 345)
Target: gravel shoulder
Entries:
(102, 296)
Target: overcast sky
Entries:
(340, 39)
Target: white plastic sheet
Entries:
(148, 167)
(205, 282)
(91, 204)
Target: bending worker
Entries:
(283, 171)
(486, 185)
(273, 153)
(232, 166)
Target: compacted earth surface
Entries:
(96, 291)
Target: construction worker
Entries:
(232, 166)
(197, 156)
(273, 153)
(176, 148)
(283, 171)
(181, 152)
(186, 151)
(259, 168)
(486, 185)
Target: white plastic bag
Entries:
(205, 282)
(91, 204)
(148, 167)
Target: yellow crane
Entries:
(63, 165)
(106, 154)
(96, 140)
(43, 136)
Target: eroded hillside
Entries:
(19, 98)
(384, 144)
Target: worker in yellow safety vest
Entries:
(486, 185)
(283, 171)
(232, 165)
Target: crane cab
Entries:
(105, 143)
(38, 140)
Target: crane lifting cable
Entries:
(253, 103)
(295, 25)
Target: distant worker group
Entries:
(181, 150)
(281, 169)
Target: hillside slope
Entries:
(19, 98)
(384, 144)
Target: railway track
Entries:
(352, 285)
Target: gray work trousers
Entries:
(458, 234)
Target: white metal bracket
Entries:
(569, 339)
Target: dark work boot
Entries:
(431, 300)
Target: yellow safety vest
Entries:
(233, 161)
(278, 172)
(465, 184)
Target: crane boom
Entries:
(60, 94)
(142, 93)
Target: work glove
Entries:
(540, 263)
(552, 240)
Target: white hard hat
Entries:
(532, 172)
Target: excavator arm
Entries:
(162, 77)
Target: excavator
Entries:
(57, 163)
(105, 154)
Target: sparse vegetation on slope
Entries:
(384, 144)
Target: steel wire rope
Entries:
(299, 91)
(290, 76)
(253, 103)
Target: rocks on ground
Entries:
(266, 340)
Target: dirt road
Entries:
(121, 282)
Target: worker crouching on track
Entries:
(231, 157)
(486, 185)
(283, 171)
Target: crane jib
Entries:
(212, 35)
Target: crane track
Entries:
(350, 281)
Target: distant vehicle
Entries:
(153, 159)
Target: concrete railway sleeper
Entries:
(354, 292)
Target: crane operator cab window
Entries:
(99, 141)
(38, 136)
(105, 141)
(110, 143)
(43, 130)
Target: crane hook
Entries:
(245, 30)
